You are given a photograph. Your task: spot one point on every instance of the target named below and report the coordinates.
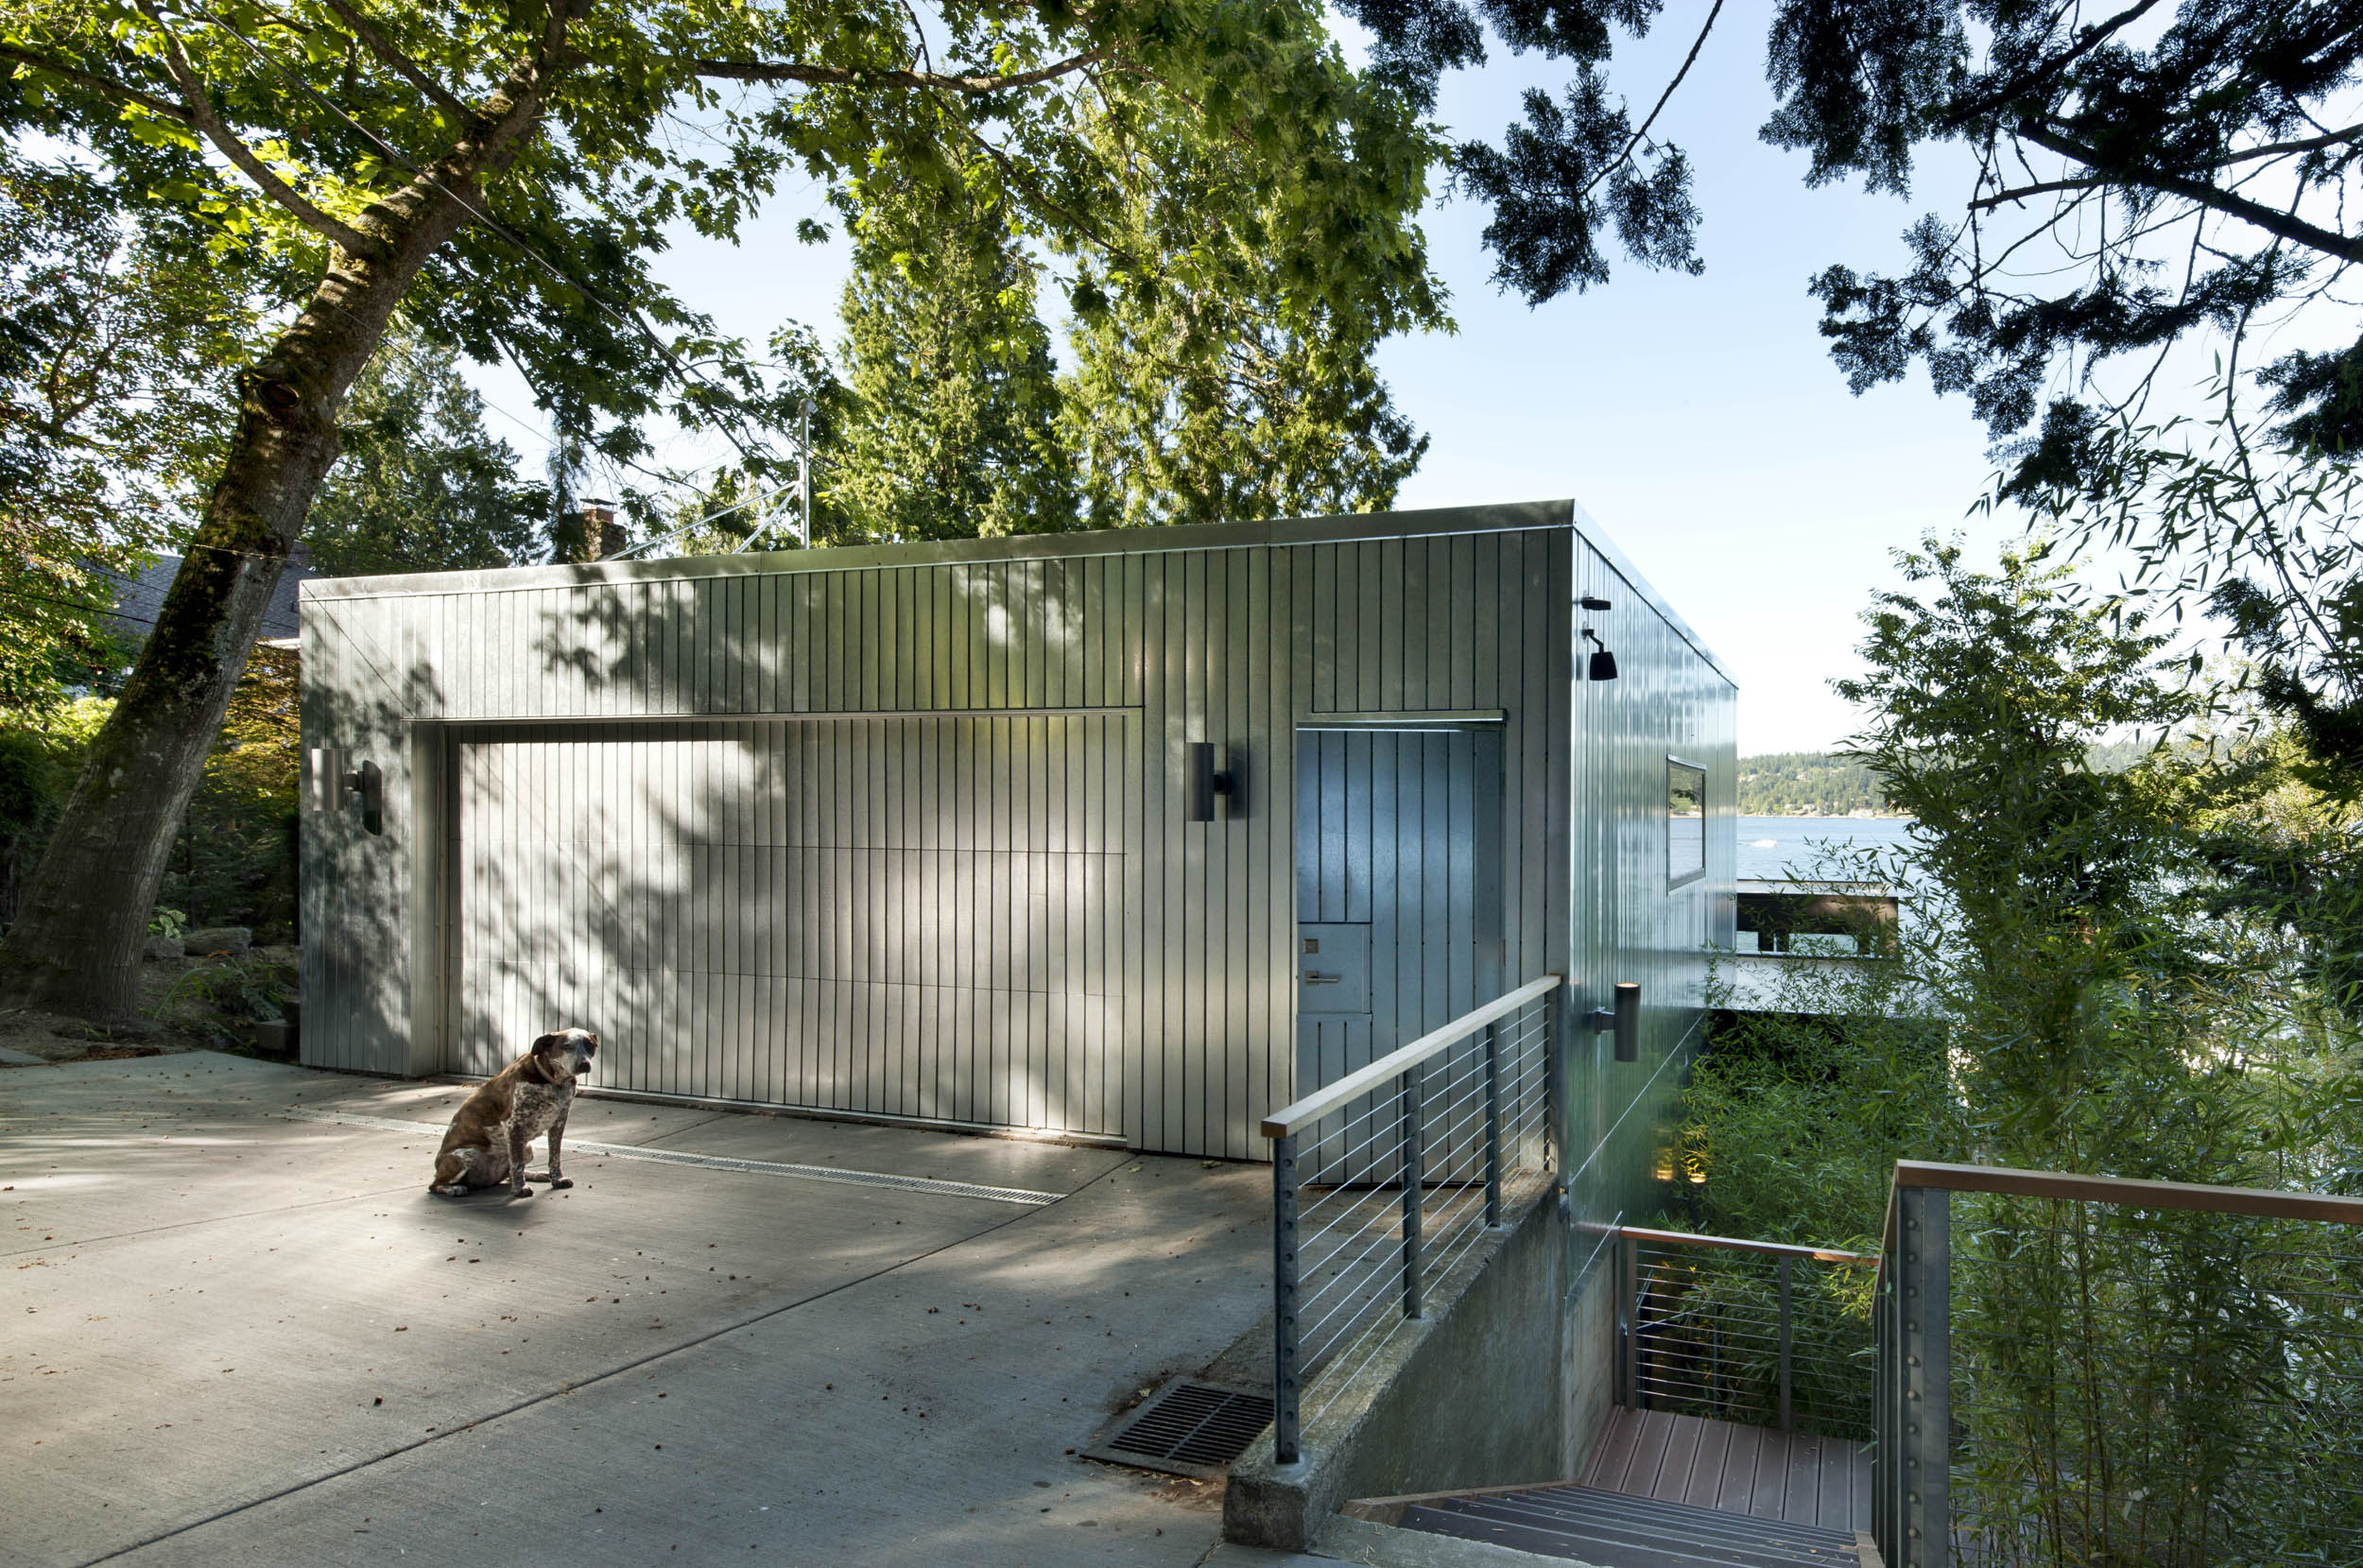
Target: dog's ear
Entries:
(594, 1040)
(545, 1045)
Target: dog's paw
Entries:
(521, 1191)
(454, 1190)
(557, 1182)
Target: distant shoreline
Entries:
(1819, 816)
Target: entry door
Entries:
(1398, 890)
(908, 917)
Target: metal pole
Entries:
(1926, 1288)
(1414, 1185)
(1634, 1398)
(1787, 1424)
(1556, 1082)
(803, 471)
(1493, 1126)
(1883, 1394)
(1287, 1386)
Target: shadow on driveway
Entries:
(238, 1335)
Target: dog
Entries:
(487, 1143)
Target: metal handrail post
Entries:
(1634, 1398)
(1414, 1188)
(1554, 1083)
(1883, 1394)
(1924, 1289)
(1286, 1375)
(1787, 1420)
(1493, 1126)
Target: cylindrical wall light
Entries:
(332, 782)
(1625, 1018)
(1202, 782)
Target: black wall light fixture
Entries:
(333, 782)
(1205, 781)
(1625, 1018)
(1603, 664)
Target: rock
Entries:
(164, 947)
(233, 940)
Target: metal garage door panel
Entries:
(910, 916)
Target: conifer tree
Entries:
(953, 429)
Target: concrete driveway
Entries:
(240, 1331)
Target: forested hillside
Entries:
(1818, 783)
(1806, 783)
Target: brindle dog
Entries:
(486, 1145)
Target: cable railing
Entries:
(1385, 1179)
(2089, 1370)
(1758, 1332)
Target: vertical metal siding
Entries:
(787, 977)
(559, 825)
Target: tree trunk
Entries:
(76, 942)
(75, 946)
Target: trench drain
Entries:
(1187, 1428)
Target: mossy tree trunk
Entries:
(76, 942)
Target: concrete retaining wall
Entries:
(1499, 1384)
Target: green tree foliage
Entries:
(1243, 393)
(40, 753)
(2135, 175)
(502, 176)
(2082, 987)
(115, 346)
(420, 486)
(2139, 178)
(1984, 703)
(234, 861)
(2285, 860)
(1806, 783)
(2261, 534)
(954, 395)
(1577, 166)
(1198, 391)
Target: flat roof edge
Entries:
(1503, 517)
(1618, 562)
(1159, 540)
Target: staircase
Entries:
(1610, 1529)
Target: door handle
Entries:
(1311, 978)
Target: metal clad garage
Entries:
(820, 828)
(895, 915)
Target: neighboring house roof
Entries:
(141, 596)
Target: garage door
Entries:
(903, 917)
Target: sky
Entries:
(1698, 420)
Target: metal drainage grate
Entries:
(1188, 1429)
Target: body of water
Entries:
(1771, 848)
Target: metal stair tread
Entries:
(1756, 1547)
(1616, 1530)
(1581, 1545)
(1590, 1503)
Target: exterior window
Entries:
(1685, 822)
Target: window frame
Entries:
(1674, 876)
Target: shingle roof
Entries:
(139, 596)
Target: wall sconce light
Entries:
(1205, 783)
(333, 782)
(1603, 664)
(1625, 1018)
